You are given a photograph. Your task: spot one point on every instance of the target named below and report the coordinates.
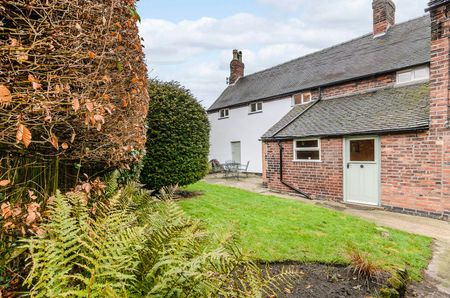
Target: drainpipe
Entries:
(305, 195)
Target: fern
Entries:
(82, 256)
(137, 246)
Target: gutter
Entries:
(302, 193)
(362, 133)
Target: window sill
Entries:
(411, 83)
(223, 118)
(307, 161)
(258, 112)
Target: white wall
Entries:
(248, 129)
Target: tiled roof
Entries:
(405, 45)
(383, 110)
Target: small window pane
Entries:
(307, 144)
(260, 106)
(362, 150)
(253, 108)
(421, 73)
(306, 97)
(297, 99)
(223, 113)
(404, 77)
(308, 155)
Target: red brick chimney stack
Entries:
(440, 63)
(383, 16)
(236, 67)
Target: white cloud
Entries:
(197, 52)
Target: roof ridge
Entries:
(328, 48)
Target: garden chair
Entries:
(244, 168)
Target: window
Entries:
(225, 113)
(362, 150)
(307, 150)
(255, 107)
(413, 75)
(301, 98)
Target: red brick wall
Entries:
(411, 172)
(357, 86)
(319, 179)
(413, 178)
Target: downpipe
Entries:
(302, 193)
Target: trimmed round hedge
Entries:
(177, 137)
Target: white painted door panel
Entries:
(236, 152)
(362, 170)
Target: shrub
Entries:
(363, 266)
(132, 245)
(177, 138)
(73, 84)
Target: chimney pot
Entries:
(383, 16)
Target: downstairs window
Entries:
(307, 150)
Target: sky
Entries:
(191, 41)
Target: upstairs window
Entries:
(223, 114)
(307, 150)
(413, 75)
(256, 107)
(301, 98)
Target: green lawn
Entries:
(276, 229)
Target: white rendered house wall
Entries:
(246, 128)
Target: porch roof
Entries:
(380, 111)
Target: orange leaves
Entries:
(4, 183)
(92, 55)
(23, 135)
(89, 106)
(6, 211)
(54, 141)
(33, 213)
(34, 82)
(75, 104)
(5, 96)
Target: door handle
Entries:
(348, 165)
(362, 166)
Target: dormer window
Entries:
(255, 107)
(301, 98)
(413, 75)
(223, 114)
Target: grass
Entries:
(276, 229)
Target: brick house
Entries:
(370, 117)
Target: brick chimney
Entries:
(440, 63)
(236, 67)
(383, 16)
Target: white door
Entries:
(362, 170)
(236, 152)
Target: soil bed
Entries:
(186, 194)
(321, 281)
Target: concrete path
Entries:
(438, 271)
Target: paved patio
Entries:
(438, 271)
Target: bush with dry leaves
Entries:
(73, 82)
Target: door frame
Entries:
(377, 161)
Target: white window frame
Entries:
(414, 79)
(295, 150)
(256, 104)
(303, 98)
(226, 114)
